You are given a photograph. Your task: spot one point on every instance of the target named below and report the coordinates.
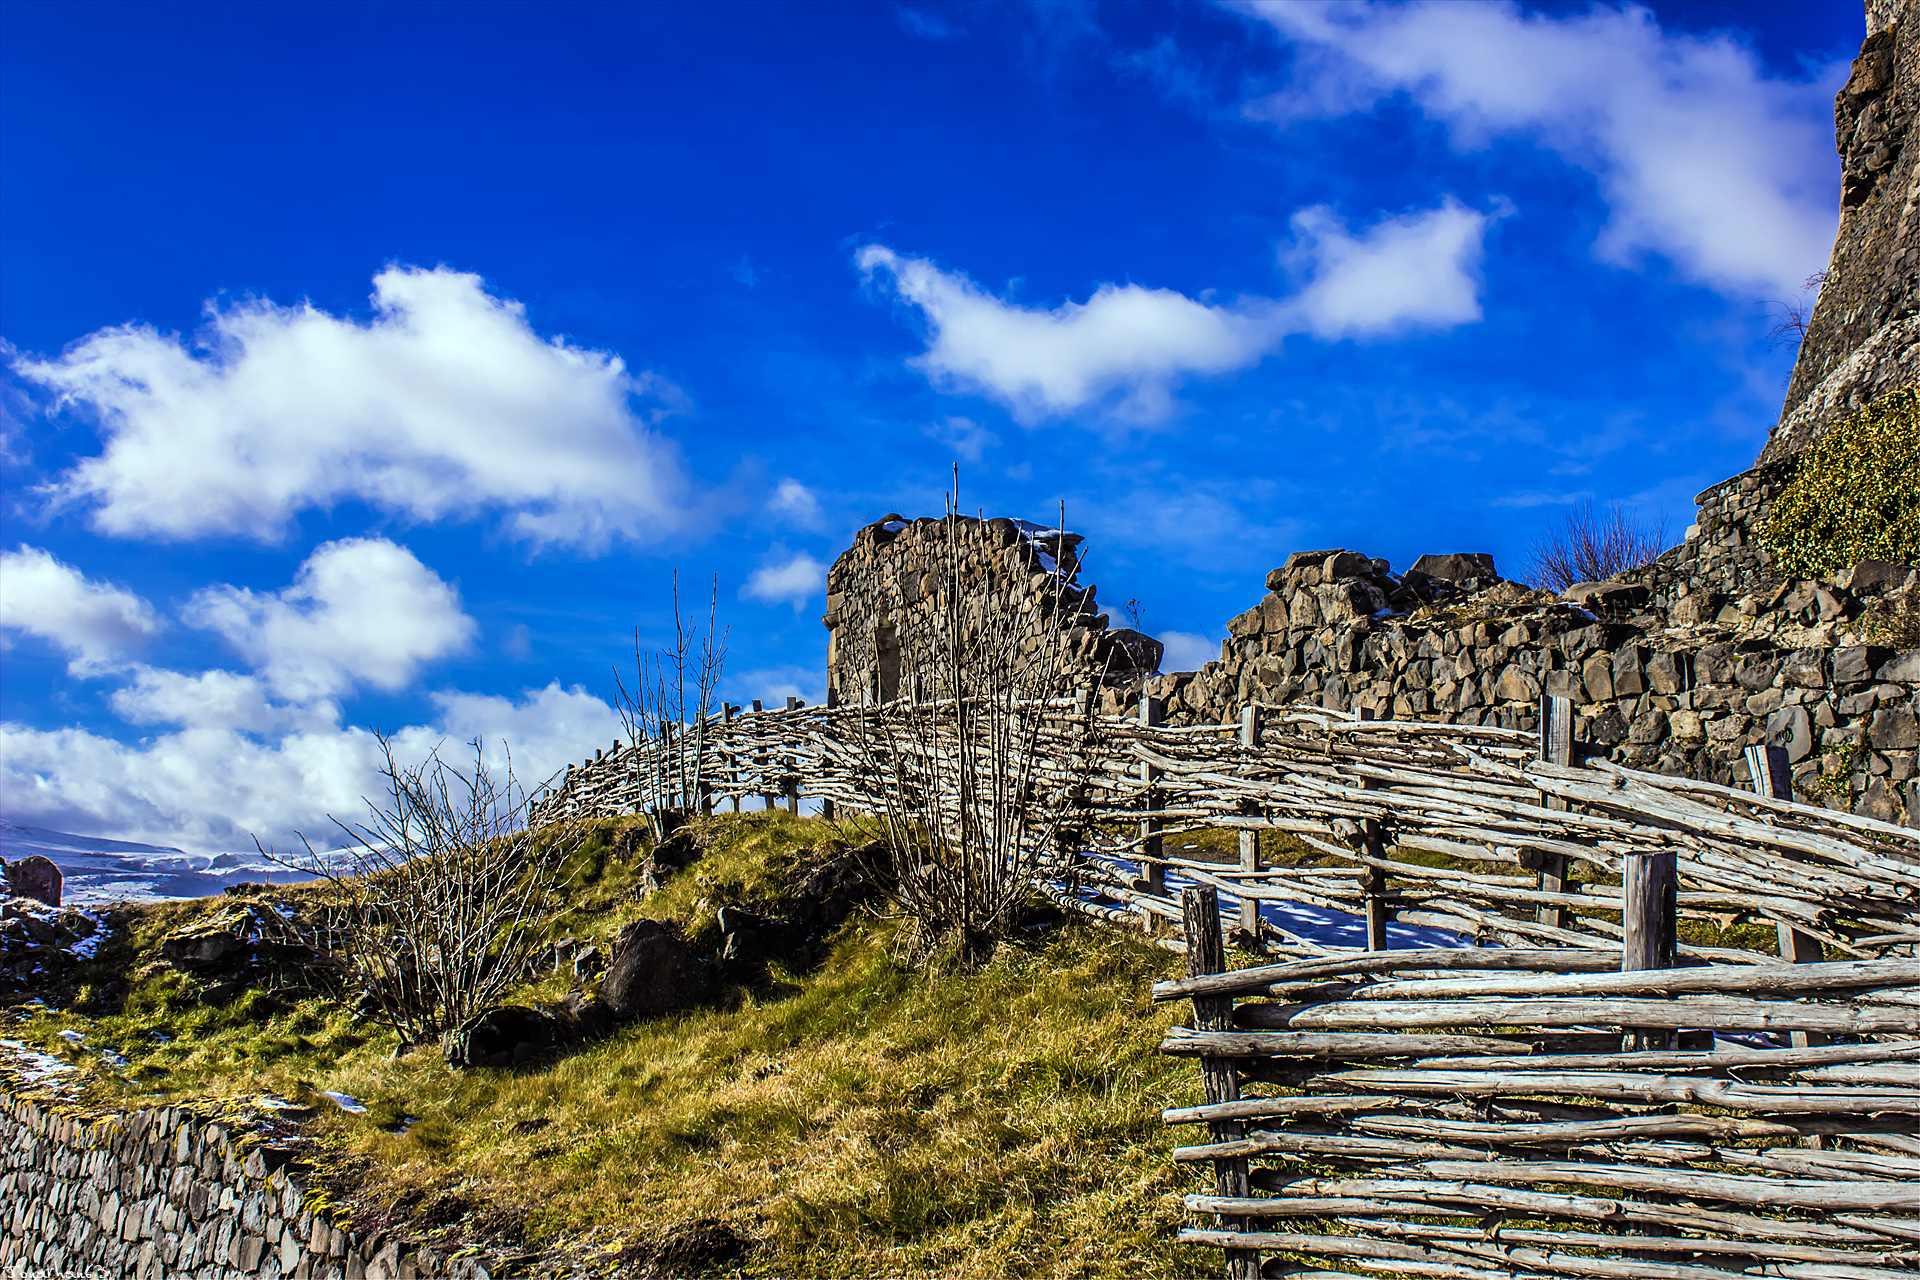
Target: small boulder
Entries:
(1874, 577)
(503, 1037)
(653, 972)
(1127, 651)
(35, 877)
(1457, 567)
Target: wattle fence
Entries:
(1586, 1077)
(1533, 848)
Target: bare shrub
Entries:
(969, 805)
(1588, 547)
(665, 710)
(431, 911)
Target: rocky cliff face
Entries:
(1863, 340)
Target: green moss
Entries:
(1855, 494)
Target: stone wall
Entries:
(1863, 339)
(162, 1192)
(882, 594)
(1681, 687)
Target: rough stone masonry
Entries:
(166, 1191)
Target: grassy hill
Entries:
(847, 1115)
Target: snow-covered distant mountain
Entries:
(100, 870)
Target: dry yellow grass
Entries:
(858, 1118)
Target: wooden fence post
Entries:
(761, 761)
(1155, 872)
(1651, 939)
(1771, 775)
(826, 805)
(727, 710)
(703, 743)
(1250, 840)
(1200, 913)
(1374, 883)
(1556, 747)
(792, 779)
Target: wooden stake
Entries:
(1250, 840)
(1374, 885)
(1651, 938)
(1556, 747)
(1200, 914)
(760, 764)
(792, 784)
(1154, 873)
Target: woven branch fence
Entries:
(1540, 849)
(1566, 1102)
(1473, 1113)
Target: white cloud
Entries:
(360, 611)
(97, 625)
(213, 788)
(1126, 339)
(774, 685)
(1417, 270)
(795, 501)
(794, 581)
(445, 404)
(1187, 651)
(1411, 272)
(213, 700)
(545, 729)
(1702, 158)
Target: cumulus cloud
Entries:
(95, 624)
(796, 502)
(1187, 650)
(1125, 338)
(360, 611)
(795, 581)
(1702, 158)
(212, 700)
(545, 728)
(445, 403)
(211, 788)
(1417, 271)
(1133, 344)
(774, 685)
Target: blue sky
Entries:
(374, 366)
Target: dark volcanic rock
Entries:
(505, 1037)
(1458, 567)
(653, 972)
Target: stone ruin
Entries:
(1677, 666)
(882, 594)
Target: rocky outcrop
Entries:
(41, 947)
(1863, 339)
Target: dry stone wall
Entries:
(1682, 687)
(166, 1192)
(882, 594)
